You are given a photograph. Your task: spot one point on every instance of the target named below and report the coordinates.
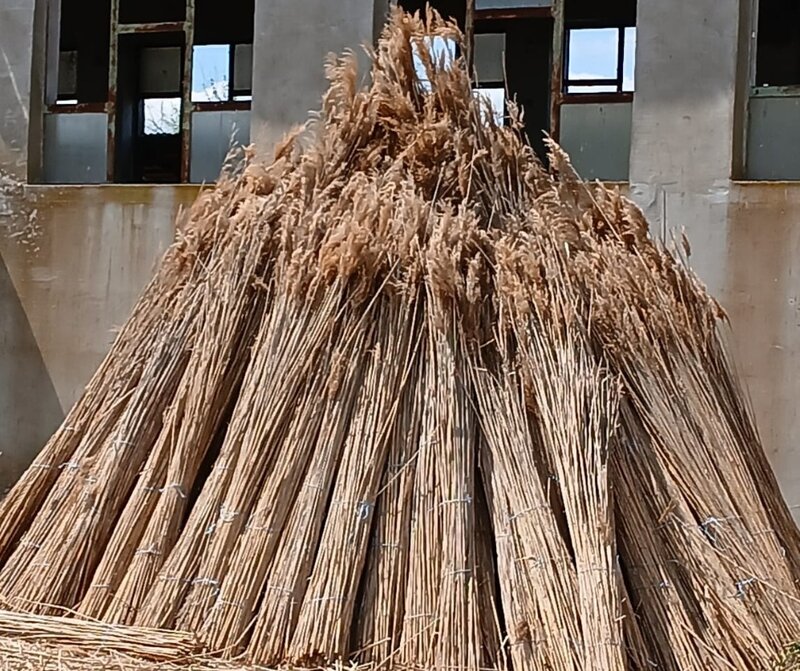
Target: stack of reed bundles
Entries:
(406, 397)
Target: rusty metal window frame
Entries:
(109, 107)
(559, 81)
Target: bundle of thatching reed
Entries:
(405, 397)
(150, 644)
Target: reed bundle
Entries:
(405, 397)
(150, 644)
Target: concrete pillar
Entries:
(686, 82)
(692, 80)
(685, 120)
(16, 69)
(292, 39)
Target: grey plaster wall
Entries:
(73, 261)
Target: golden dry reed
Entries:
(404, 397)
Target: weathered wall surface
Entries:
(73, 261)
(761, 291)
(745, 237)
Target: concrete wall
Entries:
(16, 72)
(692, 82)
(73, 260)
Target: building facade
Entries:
(112, 112)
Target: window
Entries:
(600, 60)
(571, 72)
(773, 119)
(489, 60)
(594, 110)
(222, 73)
(599, 47)
(778, 47)
(151, 94)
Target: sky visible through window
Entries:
(210, 73)
(444, 50)
(593, 55)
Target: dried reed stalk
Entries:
(235, 608)
(419, 627)
(287, 346)
(92, 418)
(287, 578)
(151, 644)
(212, 377)
(63, 561)
(538, 582)
(576, 403)
(383, 590)
(324, 622)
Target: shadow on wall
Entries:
(29, 407)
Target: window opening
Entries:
(599, 48)
(772, 130)
(600, 60)
(161, 116)
(593, 108)
(78, 70)
(222, 73)
(489, 65)
(493, 102)
(778, 43)
(137, 81)
(211, 70)
(442, 54)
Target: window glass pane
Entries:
(489, 57)
(495, 98)
(242, 68)
(160, 71)
(593, 53)
(161, 116)
(629, 62)
(211, 73)
(68, 74)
